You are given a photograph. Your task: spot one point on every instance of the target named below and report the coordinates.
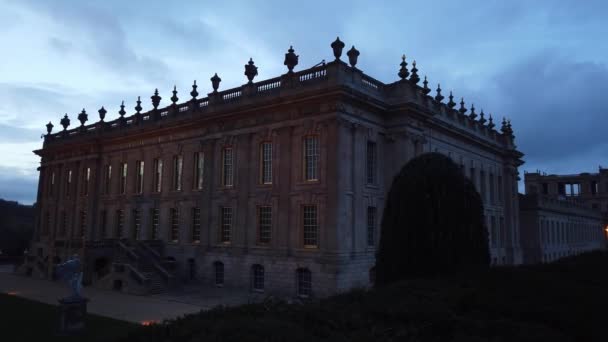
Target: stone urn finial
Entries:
(194, 93)
(425, 89)
(65, 122)
(251, 70)
(102, 113)
(174, 98)
(439, 97)
(83, 117)
(462, 108)
(414, 78)
(291, 59)
(215, 82)
(482, 119)
(337, 46)
(491, 124)
(155, 99)
(122, 112)
(49, 128)
(403, 73)
(472, 114)
(353, 55)
(138, 107)
(451, 103)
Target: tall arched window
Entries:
(257, 274)
(218, 269)
(304, 282)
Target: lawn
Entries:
(25, 320)
(563, 301)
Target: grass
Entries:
(563, 301)
(25, 320)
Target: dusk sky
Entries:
(543, 64)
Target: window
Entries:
(304, 280)
(311, 158)
(174, 232)
(227, 167)
(545, 188)
(196, 225)
(103, 219)
(199, 164)
(371, 162)
(63, 223)
(107, 178)
(158, 174)
(310, 225)
(120, 219)
(492, 193)
(499, 186)
(136, 224)
(123, 178)
(561, 188)
(264, 224)
(86, 177)
(218, 268)
(68, 183)
(139, 176)
(594, 188)
(154, 213)
(371, 226)
(178, 162)
(572, 189)
(482, 186)
(51, 184)
(226, 224)
(82, 223)
(257, 281)
(266, 163)
(493, 235)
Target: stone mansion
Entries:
(276, 186)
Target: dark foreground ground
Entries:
(25, 320)
(564, 301)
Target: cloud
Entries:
(17, 187)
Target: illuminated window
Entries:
(572, 189)
(371, 225)
(52, 184)
(139, 176)
(123, 178)
(310, 225)
(174, 232)
(136, 224)
(218, 268)
(196, 225)
(311, 158)
(264, 224)
(371, 162)
(226, 224)
(107, 179)
(227, 167)
(257, 281)
(158, 174)
(266, 163)
(154, 213)
(68, 183)
(199, 164)
(178, 162)
(86, 177)
(304, 279)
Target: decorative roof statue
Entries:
(122, 112)
(482, 120)
(472, 115)
(337, 46)
(462, 109)
(174, 98)
(403, 73)
(509, 128)
(504, 128)
(194, 93)
(291, 59)
(102, 113)
(49, 128)
(414, 78)
(138, 107)
(155, 99)
(251, 70)
(425, 89)
(451, 103)
(215, 82)
(491, 124)
(353, 55)
(65, 122)
(71, 272)
(83, 117)
(439, 97)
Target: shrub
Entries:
(432, 223)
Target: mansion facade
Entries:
(277, 186)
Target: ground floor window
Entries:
(258, 277)
(304, 285)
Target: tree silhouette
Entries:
(432, 223)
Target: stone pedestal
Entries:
(73, 312)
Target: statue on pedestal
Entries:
(71, 272)
(73, 308)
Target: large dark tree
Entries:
(432, 223)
